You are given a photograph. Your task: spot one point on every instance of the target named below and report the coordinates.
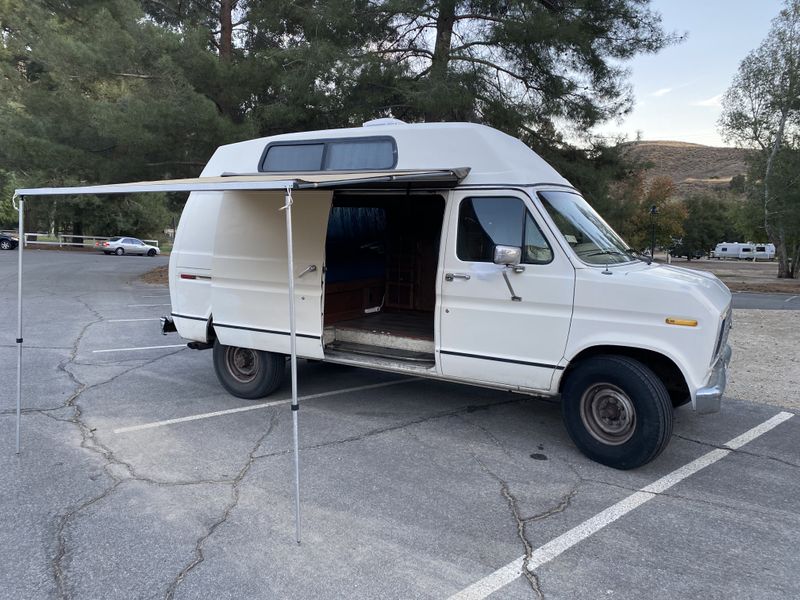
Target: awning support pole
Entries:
(293, 350)
(20, 246)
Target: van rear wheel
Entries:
(616, 411)
(247, 373)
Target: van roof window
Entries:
(350, 154)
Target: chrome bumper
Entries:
(709, 398)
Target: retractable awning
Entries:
(398, 179)
(429, 178)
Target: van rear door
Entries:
(485, 335)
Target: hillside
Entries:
(693, 167)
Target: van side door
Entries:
(498, 324)
(249, 285)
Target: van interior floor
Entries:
(404, 336)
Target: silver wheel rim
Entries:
(5, 245)
(608, 414)
(242, 363)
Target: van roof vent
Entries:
(383, 121)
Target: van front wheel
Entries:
(246, 373)
(616, 411)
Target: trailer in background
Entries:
(743, 250)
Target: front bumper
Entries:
(709, 397)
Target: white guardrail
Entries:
(64, 236)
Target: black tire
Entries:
(246, 373)
(106, 252)
(5, 245)
(151, 252)
(678, 401)
(598, 395)
(119, 251)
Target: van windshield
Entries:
(584, 230)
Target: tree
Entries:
(761, 110)
(93, 92)
(527, 67)
(629, 205)
(709, 221)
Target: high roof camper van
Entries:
(449, 251)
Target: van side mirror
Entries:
(507, 255)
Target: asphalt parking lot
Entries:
(127, 486)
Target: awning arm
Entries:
(20, 246)
(287, 208)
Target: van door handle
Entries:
(452, 276)
(308, 269)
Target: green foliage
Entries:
(116, 90)
(760, 110)
(710, 219)
(8, 216)
(628, 210)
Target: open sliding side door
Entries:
(249, 289)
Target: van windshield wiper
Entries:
(610, 252)
(639, 255)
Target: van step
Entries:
(422, 358)
(341, 333)
(381, 363)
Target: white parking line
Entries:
(790, 299)
(142, 305)
(131, 320)
(505, 575)
(139, 348)
(231, 411)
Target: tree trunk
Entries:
(226, 29)
(782, 255)
(441, 58)
(778, 240)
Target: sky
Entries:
(678, 90)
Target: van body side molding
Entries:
(274, 331)
(505, 360)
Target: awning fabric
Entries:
(431, 178)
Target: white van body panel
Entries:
(249, 287)
(628, 307)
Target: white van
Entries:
(454, 252)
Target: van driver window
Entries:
(486, 222)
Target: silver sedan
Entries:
(126, 245)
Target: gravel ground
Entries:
(766, 361)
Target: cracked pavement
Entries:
(409, 491)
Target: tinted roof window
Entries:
(373, 154)
(300, 157)
(354, 154)
(114, 239)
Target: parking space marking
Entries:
(143, 305)
(552, 549)
(790, 299)
(131, 320)
(231, 411)
(139, 348)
